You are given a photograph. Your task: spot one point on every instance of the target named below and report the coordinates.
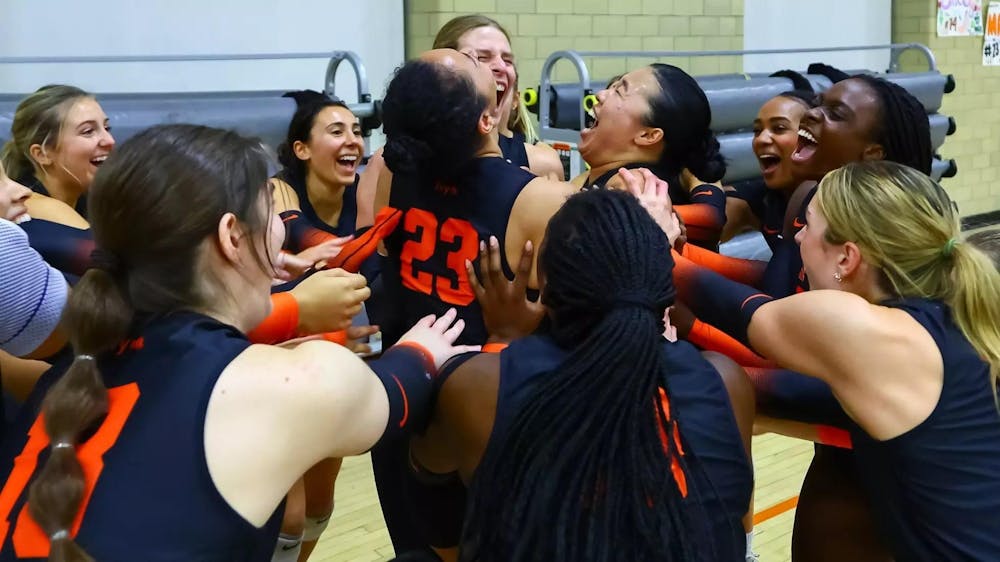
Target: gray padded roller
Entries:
(736, 98)
(261, 113)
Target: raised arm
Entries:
(881, 364)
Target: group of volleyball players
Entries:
(570, 370)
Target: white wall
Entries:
(372, 28)
(787, 24)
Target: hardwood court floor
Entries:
(357, 532)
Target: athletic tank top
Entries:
(441, 228)
(153, 498)
(702, 232)
(784, 274)
(513, 149)
(936, 488)
(718, 466)
(298, 238)
(63, 247)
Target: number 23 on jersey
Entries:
(453, 288)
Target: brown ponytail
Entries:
(100, 316)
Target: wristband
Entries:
(494, 347)
(282, 324)
(339, 337)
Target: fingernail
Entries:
(494, 242)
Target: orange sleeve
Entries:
(355, 252)
(702, 222)
(748, 272)
(282, 324)
(711, 339)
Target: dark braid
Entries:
(903, 130)
(582, 473)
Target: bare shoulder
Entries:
(544, 161)
(53, 210)
(285, 198)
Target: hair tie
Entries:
(60, 535)
(949, 246)
(62, 445)
(105, 260)
(85, 357)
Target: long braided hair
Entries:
(585, 471)
(904, 131)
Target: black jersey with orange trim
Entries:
(149, 495)
(702, 209)
(304, 228)
(720, 478)
(513, 149)
(63, 247)
(441, 228)
(935, 489)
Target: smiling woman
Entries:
(489, 42)
(316, 192)
(60, 135)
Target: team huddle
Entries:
(570, 370)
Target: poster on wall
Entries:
(991, 43)
(957, 18)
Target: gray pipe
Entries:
(736, 99)
(261, 114)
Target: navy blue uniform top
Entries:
(441, 228)
(703, 228)
(720, 474)
(154, 498)
(302, 235)
(936, 488)
(63, 247)
(513, 149)
(784, 275)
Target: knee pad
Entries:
(315, 526)
(287, 548)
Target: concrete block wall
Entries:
(975, 104)
(539, 27)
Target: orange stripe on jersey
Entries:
(752, 297)
(675, 464)
(29, 540)
(829, 435)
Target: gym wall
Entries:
(539, 27)
(373, 29)
(975, 104)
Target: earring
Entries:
(838, 277)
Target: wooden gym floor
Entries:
(357, 532)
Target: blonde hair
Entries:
(447, 38)
(38, 119)
(906, 225)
